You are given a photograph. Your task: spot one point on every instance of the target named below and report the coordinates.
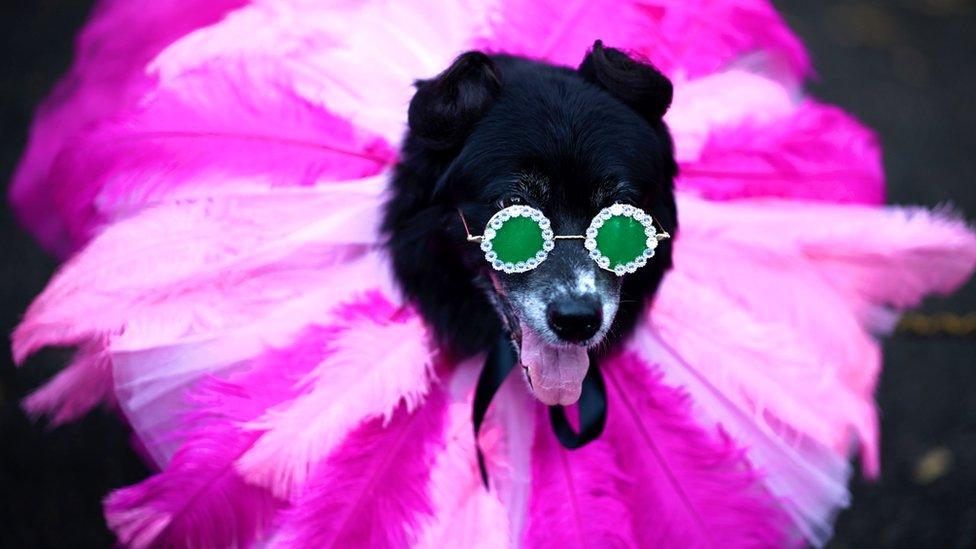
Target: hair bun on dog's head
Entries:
(637, 84)
(446, 107)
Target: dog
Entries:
(493, 131)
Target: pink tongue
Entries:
(556, 373)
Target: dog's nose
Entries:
(575, 319)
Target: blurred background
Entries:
(907, 68)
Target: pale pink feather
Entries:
(807, 478)
(687, 487)
(155, 276)
(372, 492)
(507, 438)
(579, 497)
(780, 294)
(693, 38)
(729, 99)
(872, 256)
(765, 367)
(815, 153)
(258, 268)
(370, 369)
(357, 59)
(464, 513)
(199, 499)
(107, 77)
(201, 482)
(152, 383)
(83, 384)
(816, 275)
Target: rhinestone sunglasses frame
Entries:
(548, 237)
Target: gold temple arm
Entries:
(663, 235)
(467, 231)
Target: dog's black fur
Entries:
(494, 130)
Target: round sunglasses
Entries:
(621, 238)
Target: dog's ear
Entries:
(446, 107)
(638, 85)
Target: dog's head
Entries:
(491, 132)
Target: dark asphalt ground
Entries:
(905, 67)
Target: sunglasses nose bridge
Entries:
(569, 259)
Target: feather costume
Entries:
(213, 171)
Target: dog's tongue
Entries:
(556, 373)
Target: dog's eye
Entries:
(511, 200)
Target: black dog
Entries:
(493, 131)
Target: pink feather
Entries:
(872, 256)
(694, 38)
(816, 275)
(155, 276)
(733, 98)
(372, 492)
(809, 479)
(767, 368)
(687, 487)
(200, 485)
(815, 153)
(356, 58)
(215, 126)
(578, 496)
(464, 514)
(372, 365)
(107, 77)
(78, 388)
(199, 501)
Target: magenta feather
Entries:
(578, 496)
(78, 388)
(108, 77)
(688, 487)
(199, 501)
(373, 491)
(694, 38)
(218, 127)
(815, 153)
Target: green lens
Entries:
(517, 239)
(621, 238)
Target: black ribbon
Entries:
(592, 403)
